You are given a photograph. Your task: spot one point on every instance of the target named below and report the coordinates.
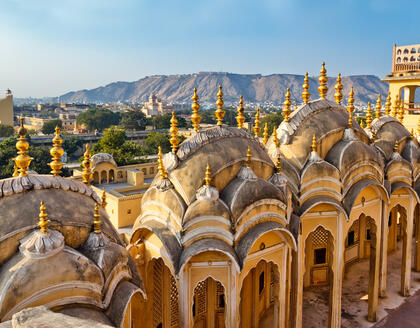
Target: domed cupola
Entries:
(208, 216)
(245, 194)
(398, 168)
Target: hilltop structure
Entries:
(234, 228)
(6, 109)
(155, 107)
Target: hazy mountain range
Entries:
(255, 88)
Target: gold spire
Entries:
(220, 113)
(395, 107)
(43, 221)
(56, 152)
(257, 122)
(313, 147)
(104, 203)
(86, 173)
(362, 124)
(397, 146)
(248, 157)
(322, 89)
(195, 117)
(378, 107)
(305, 94)
(278, 163)
(265, 134)
(373, 136)
(350, 107)
(22, 160)
(388, 104)
(338, 87)
(369, 117)
(295, 108)
(418, 127)
(174, 131)
(162, 172)
(401, 111)
(207, 176)
(240, 118)
(96, 219)
(15, 171)
(287, 103)
(412, 133)
(275, 138)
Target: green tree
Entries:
(49, 126)
(98, 118)
(273, 121)
(154, 140)
(208, 117)
(163, 121)
(7, 152)
(114, 142)
(72, 144)
(134, 120)
(6, 130)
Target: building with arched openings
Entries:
(236, 228)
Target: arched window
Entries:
(418, 58)
(399, 52)
(413, 50)
(418, 50)
(398, 59)
(405, 59)
(406, 51)
(412, 58)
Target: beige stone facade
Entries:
(156, 107)
(6, 109)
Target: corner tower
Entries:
(6, 109)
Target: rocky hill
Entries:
(255, 88)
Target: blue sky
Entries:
(49, 47)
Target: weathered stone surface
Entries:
(41, 317)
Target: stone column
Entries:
(406, 252)
(183, 288)
(294, 285)
(299, 275)
(375, 233)
(384, 250)
(417, 258)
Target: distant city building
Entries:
(36, 123)
(6, 109)
(156, 107)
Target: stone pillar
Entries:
(183, 288)
(300, 273)
(294, 283)
(417, 258)
(384, 250)
(375, 233)
(406, 253)
(334, 315)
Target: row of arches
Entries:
(406, 60)
(104, 176)
(407, 51)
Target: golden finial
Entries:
(257, 122)
(220, 113)
(350, 107)
(207, 176)
(395, 107)
(265, 134)
(369, 117)
(378, 107)
(22, 161)
(275, 138)
(287, 103)
(174, 131)
(396, 146)
(195, 117)
(161, 168)
(278, 163)
(43, 221)
(373, 136)
(313, 147)
(104, 203)
(240, 118)
(401, 111)
(412, 133)
(418, 127)
(362, 124)
(295, 108)
(96, 219)
(15, 171)
(322, 89)
(338, 87)
(248, 157)
(388, 104)
(56, 152)
(86, 173)
(306, 94)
